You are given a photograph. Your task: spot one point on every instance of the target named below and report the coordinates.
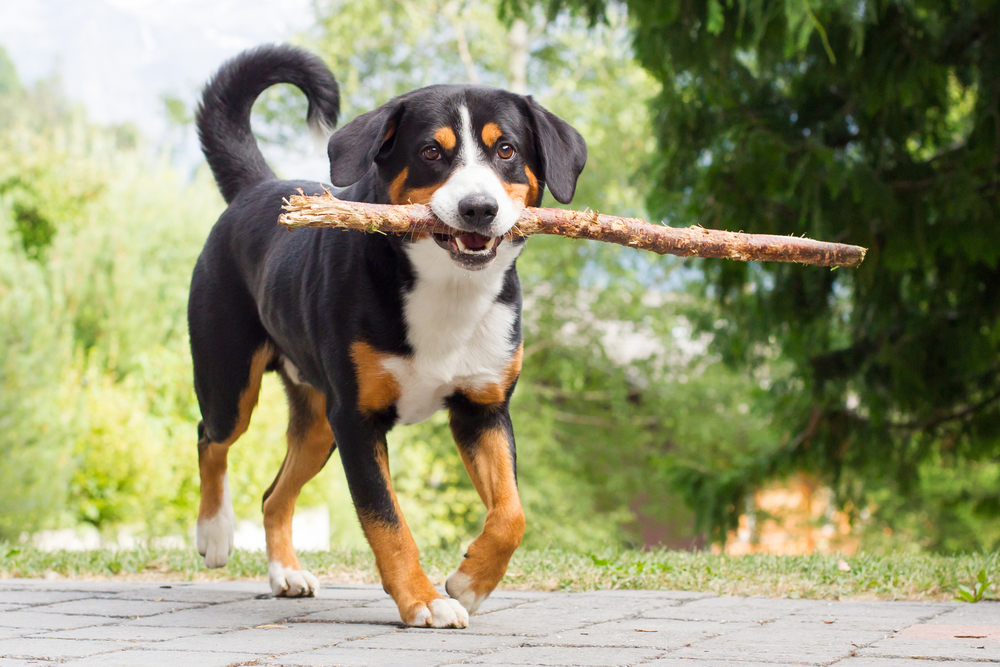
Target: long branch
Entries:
(327, 211)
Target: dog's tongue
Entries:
(474, 241)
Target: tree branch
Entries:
(327, 211)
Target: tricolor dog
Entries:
(367, 330)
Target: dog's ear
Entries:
(354, 147)
(562, 150)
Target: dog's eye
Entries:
(505, 151)
(431, 153)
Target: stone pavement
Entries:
(153, 624)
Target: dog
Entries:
(368, 330)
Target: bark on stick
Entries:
(327, 211)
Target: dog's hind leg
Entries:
(216, 520)
(310, 444)
(485, 440)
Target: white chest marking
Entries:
(460, 335)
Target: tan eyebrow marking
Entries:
(446, 137)
(491, 132)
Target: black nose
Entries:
(478, 210)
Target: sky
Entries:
(118, 57)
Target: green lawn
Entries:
(895, 577)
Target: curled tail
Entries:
(223, 117)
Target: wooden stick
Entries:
(327, 211)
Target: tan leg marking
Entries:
(497, 392)
(212, 456)
(398, 562)
(310, 441)
(446, 137)
(491, 469)
(377, 387)
(491, 132)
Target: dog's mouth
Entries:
(470, 250)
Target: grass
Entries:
(892, 577)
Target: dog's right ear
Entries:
(354, 147)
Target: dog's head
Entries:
(476, 155)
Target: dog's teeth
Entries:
(492, 242)
(461, 246)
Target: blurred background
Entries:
(688, 404)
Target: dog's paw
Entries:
(215, 536)
(439, 613)
(459, 586)
(290, 583)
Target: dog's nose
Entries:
(478, 210)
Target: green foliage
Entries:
(872, 124)
(33, 351)
(976, 591)
(818, 577)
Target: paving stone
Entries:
(490, 605)
(561, 655)
(980, 613)
(925, 649)
(9, 633)
(756, 610)
(42, 647)
(114, 607)
(81, 623)
(990, 633)
(783, 641)
(884, 616)
(284, 638)
(40, 621)
(900, 662)
(341, 592)
(32, 597)
(352, 657)
(381, 615)
(126, 633)
(555, 614)
(157, 658)
(243, 614)
(425, 639)
(193, 593)
(691, 662)
(66, 585)
(642, 633)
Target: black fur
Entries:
(310, 294)
(223, 117)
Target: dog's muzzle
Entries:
(470, 250)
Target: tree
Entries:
(874, 123)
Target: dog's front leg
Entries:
(363, 451)
(485, 439)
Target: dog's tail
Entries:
(223, 117)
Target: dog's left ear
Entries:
(562, 150)
(354, 147)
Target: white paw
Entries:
(459, 586)
(440, 613)
(214, 536)
(288, 583)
